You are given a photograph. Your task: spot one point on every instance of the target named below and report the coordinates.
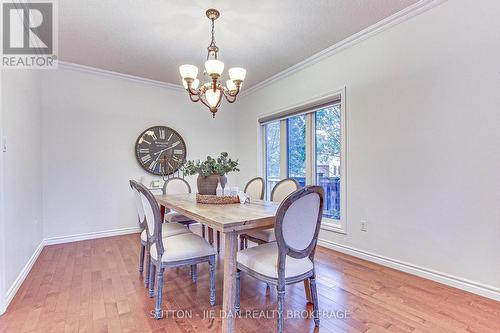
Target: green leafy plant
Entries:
(221, 165)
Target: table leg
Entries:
(210, 235)
(307, 288)
(229, 289)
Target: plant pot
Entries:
(207, 184)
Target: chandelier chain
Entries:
(212, 48)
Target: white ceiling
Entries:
(151, 38)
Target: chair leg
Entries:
(194, 273)
(218, 241)
(203, 231)
(212, 280)
(281, 302)
(314, 294)
(159, 293)
(152, 280)
(148, 269)
(242, 242)
(246, 243)
(141, 259)
(238, 291)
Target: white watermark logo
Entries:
(29, 34)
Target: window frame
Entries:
(309, 108)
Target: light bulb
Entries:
(214, 67)
(213, 97)
(188, 71)
(237, 73)
(230, 85)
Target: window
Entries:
(309, 147)
(273, 172)
(296, 146)
(327, 137)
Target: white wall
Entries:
(2, 217)
(22, 192)
(423, 138)
(89, 127)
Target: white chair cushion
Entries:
(183, 247)
(176, 217)
(267, 235)
(168, 230)
(263, 259)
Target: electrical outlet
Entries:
(364, 225)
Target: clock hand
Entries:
(161, 151)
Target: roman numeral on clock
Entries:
(145, 158)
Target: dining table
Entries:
(230, 220)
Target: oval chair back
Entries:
(255, 188)
(176, 185)
(153, 218)
(138, 205)
(283, 188)
(297, 226)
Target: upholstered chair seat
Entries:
(183, 247)
(176, 217)
(168, 230)
(265, 235)
(263, 259)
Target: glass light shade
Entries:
(214, 67)
(230, 85)
(212, 97)
(194, 85)
(237, 73)
(188, 71)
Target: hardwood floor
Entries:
(94, 286)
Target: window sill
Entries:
(337, 226)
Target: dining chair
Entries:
(177, 185)
(290, 259)
(170, 229)
(254, 189)
(185, 249)
(280, 191)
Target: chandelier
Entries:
(211, 92)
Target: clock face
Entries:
(160, 150)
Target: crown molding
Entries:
(395, 19)
(116, 75)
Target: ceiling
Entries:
(151, 38)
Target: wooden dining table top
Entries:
(237, 217)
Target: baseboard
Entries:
(90, 235)
(22, 276)
(447, 279)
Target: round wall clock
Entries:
(160, 150)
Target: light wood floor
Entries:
(94, 286)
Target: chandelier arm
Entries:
(220, 96)
(229, 97)
(204, 102)
(194, 98)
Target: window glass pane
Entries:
(328, 158)
(272, 155)
(296, 144)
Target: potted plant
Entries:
(210, 172)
